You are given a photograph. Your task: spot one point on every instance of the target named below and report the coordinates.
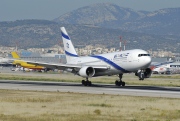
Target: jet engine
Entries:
(87, 71)
(147, 72)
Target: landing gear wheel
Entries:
(89, 83)
(86, 82)
(120, 82)
(83, 82)
(141, 76)
(116, 82)
(123, 84)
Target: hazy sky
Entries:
(11, 10)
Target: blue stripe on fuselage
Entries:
(110, 63)
(70, 54)
(65, 36)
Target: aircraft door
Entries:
(130, 58)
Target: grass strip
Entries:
(172, 81)
(56, 106)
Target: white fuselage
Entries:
(5, 60)
(117, 62)
(161, 69)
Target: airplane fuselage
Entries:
(5, 60)
(117, 62)
(29, 66)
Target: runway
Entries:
(149, 91)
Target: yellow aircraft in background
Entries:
(24, 64)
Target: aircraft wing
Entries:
(162, 63)
(61, 66)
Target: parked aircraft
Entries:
(162, 68)
(5, 60)
(24, 64)
(159, 70)
(116, 63)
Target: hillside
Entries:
(101, 23)
(107, 15)
(28, 33)
(42, 33)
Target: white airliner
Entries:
(6, 60)
(116, 63)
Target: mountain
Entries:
(164, 21)
(107, 15)
(101, 23)
(102, 14)
(28, 33)
(43, 33)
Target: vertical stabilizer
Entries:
(68, 46)
(15, 55)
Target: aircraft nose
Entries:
(148, 60)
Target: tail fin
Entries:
(68, 46)
(15, 55)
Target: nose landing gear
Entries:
(141, 75)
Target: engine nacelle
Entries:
(147, 73)
(87, 71)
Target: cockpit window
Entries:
(143, 55)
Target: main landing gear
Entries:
(86, 82)
(120, 82)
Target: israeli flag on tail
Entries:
(68, 46)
